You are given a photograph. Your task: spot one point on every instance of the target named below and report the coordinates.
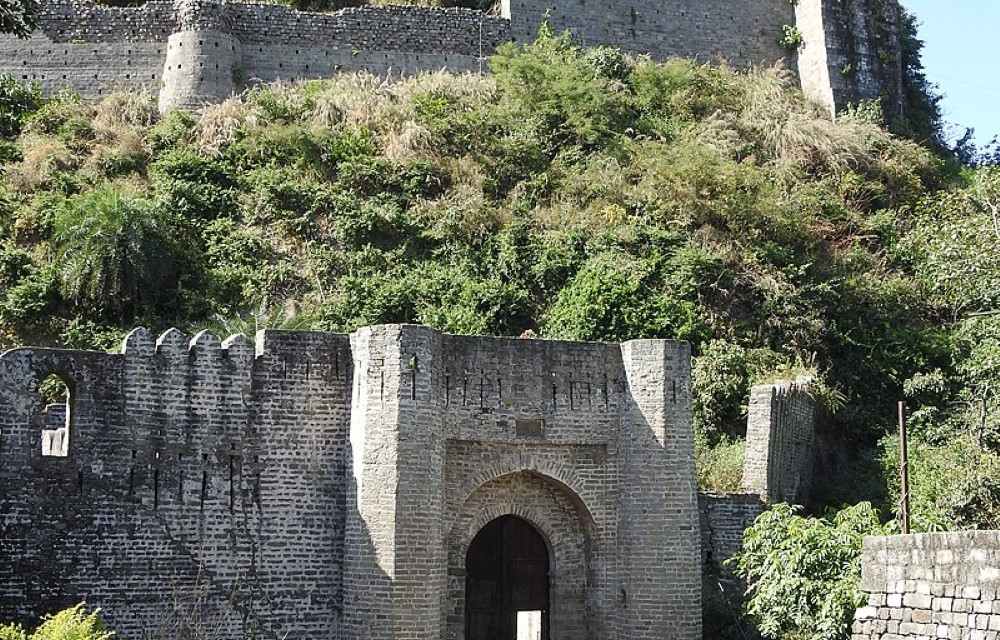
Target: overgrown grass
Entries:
(582, 195)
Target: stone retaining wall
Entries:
(934, 585)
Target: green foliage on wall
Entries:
(70, 624)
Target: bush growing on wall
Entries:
(70, 624)
(804, 573)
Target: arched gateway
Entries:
(495, 478)
(507, 583)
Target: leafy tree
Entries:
(953, 485)
(614, 299)
(17, 17)
(921, 120)
(114, 252)
(804, 573)
(957, 241)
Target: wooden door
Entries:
(507, 570)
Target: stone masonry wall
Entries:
(724, 518)
(94, 49)
(203, 483)
(935, 585)
(591, 443)
(743, 32)
(194, 51)
(851, 52)
(320, 485)
(780, 436)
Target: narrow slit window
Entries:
(54, 396)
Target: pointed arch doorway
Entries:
(507, 582)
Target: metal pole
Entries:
(904, 470)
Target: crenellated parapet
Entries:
(181, 457)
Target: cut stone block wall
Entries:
(322, 485)
(851, 51)
(724, 518)
(200, 480)
(190, 52)
(780, 437)
(743, 32)
(934, 585)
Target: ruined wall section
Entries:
(851, 52)
(780, 439)
(167, 511)
(742, 32)
(931, 585)
(724, 518)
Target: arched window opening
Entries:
(507, 582)
(54, 397)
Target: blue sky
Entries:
(962, 56)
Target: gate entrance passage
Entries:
(507, 583)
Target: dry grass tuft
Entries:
(220, 124)
(125, 109)
(43, 158)
(777, 125)
(412, 140)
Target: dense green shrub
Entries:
(615, 299)
(953, 485)
(17, 102)
(70, 624)
(720, 467)
(804, 573)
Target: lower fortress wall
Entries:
(323, 485)
(931, 585)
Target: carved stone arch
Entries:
(561, 475)
(563, 521)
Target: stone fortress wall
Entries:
(777, 467)
(172, 505)
(780, 437)
(190, 52)
(930, 585)
(323, 485)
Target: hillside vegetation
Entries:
(585, 196)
